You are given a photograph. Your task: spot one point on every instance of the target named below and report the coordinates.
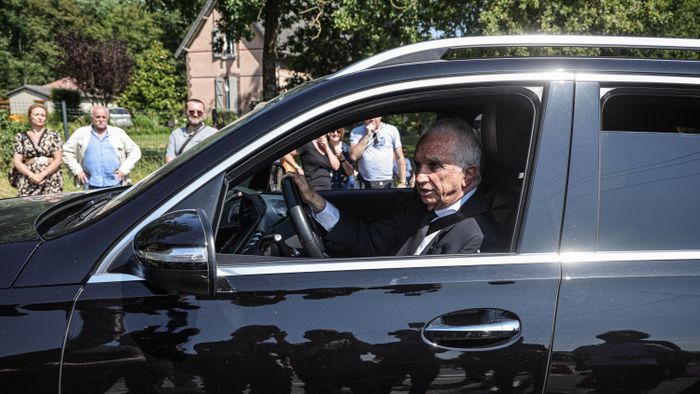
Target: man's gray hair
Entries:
(466, 150)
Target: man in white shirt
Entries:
(375, 146)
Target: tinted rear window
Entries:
(650, 172)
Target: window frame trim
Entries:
(414, 262)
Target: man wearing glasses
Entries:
(374, 147)
(196, 131)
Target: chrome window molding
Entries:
(636, 78)
(519, 40)
(316, 266)
(388, 263)
(621, 256)
(547, 76)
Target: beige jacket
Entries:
(74, 149)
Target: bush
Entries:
(145, 123)
(8, 129)
(224, 117)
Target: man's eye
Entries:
(434, 166)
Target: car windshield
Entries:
(155, 176)
(118, 111)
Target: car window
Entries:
(650, 171)
(255, 221)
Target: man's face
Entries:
(439, 182)
(100, 117)
(195, 113)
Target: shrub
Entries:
(225, 117)
(8, 129)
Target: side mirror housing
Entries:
(176, 253)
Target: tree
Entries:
(330, 35)
(102, 69)
(174, 17)
(325, 48)
(27, 45)
(237, 19)
(621, 17)
(156, 86)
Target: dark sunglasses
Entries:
(195, 112)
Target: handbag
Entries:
(13, 176)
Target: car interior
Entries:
(254, 215)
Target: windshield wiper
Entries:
(84, 213)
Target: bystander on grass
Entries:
(148, 132)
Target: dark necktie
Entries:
(411, 244)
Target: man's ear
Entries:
(469, 174)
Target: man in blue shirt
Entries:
(100, 155)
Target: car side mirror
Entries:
(176, 253)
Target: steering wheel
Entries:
(311, 242)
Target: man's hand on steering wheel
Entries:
(296, 191)
(307, 193)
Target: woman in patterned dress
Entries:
(38, 156)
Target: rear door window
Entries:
(649, 170)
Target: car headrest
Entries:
(505, 134)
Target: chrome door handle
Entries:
(475, 329)
(500, 329)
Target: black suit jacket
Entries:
(475, 231)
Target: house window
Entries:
(223, 47)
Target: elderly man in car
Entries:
(449, 214)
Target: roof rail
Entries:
(436, 49)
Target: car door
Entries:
(629, 304)
(382, 324)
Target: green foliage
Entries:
(148, 123)
(156, 86)
(411, 124)
(8, 129)
(622, 17)
(173, 17)
(225, 117)
(28, 42)
(239, 16)
(27, 45)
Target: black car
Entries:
(201, 277)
